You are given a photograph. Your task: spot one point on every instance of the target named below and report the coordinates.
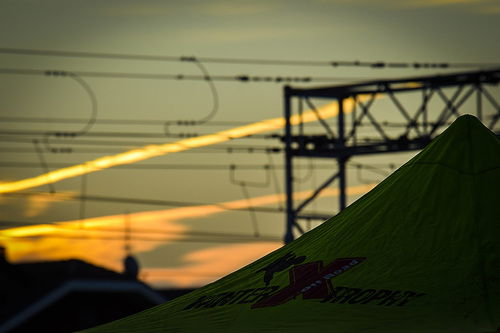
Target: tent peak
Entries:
(466, 146)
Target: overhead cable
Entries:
(178, 77)
(247, 61)
(208, 167)
(143, 231)
(152, 202)
(149, 151)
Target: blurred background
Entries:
(158, 82)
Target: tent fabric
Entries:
(418, 253)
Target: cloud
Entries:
(229, 8)
(205, 266)
(139, 9)
(39, 203)
(187, 8)
(478, 6)
(438, 3)
(488, 7)
(100, 240)
(241, 34)
(493, 9)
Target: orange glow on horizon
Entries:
(146, 152)
(63, 240)
(207, 265)
(37, 203)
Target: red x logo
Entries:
(311, 280)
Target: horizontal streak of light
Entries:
(94, 224)
(159, 272)
(143, 231)
(146, 152)
(247, 239)
(210, 167)
(152, 202)
(35, 243)
(197, 266)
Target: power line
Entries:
(71, 135)
(149, 239)
(213, 91)
(101, 121)
(157, 122)
(43, 163)
(152, 202)
(136, 122)
(61, 135)
(195, 234)
(79, 150)
(208, 167)
(80, 120)
(150, 151)
(246, 61)
(156, 202)
(93, 100)
(178, 77)
(135, 144)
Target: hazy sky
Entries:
(454, 31)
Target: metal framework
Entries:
(435, 101)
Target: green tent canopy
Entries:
(418, 253)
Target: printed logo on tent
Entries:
(310, 281)
(280, 265)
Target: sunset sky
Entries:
(178, 187)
